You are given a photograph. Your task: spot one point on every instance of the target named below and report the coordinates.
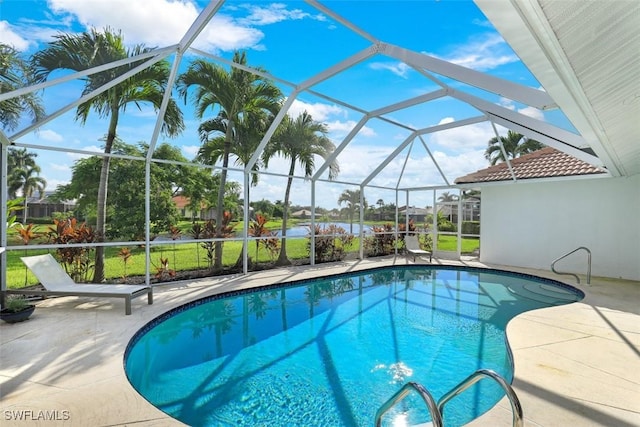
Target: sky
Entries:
(295, 42)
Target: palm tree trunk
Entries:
(101, 210)
(217, 266)
(283, 259)
(240, 259)
(24, 209)
(351, 212)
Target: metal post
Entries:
(3, 220)
(312, 249)
(147, 220)
(245, 226)
(361, 234)
(434, 219)
(459, 224)
(396, 227)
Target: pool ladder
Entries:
(437, 409)
(571, 274)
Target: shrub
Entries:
(446, 225)
(76, 260)
(426, 242)
(331, 243)
(258, 229)
(208, 231)
(383, 241)
(471, 227)
(43, 220)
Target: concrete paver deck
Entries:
(575, 365)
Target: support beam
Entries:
(87, 72)
(389, 158)
(404, 165)
(342, 20)
(200, 23)
(433, 159)
(504, 152)
(406, 142)
(409, 103)
(339, 67)
(163, 105)
(539, 130)
(524, 94)
(272, 129)
(332, 157)
(90, 95)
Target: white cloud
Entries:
(52, 184)
(486, 52)
(470, 137)
(532, 112)
(340, 129)
(527, 111)
(59, 167)
(319, 111)
(49, 135)
(190, 151)
(272, 13)
(398, 68)
(323, 112)
(164, 22)
(158, 22)
(10, 36)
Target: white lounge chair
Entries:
(57, 282)
(412, 246)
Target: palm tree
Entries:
(14, 74)
(236, 93)
(87, 50)
(514, 145)
(380, 204)
(29, 180)
(247, 135)
(352, 200)
(18, 159)
(299, 140)
(447, 197)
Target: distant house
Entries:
(303, 214)
(416, 214)
(45, 207)
(183, 205)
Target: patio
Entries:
(577, 364)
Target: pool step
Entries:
(437, 409)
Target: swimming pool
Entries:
(331, 351)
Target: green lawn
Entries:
(182, 256)
(450, 243)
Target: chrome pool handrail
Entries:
(516, 407)
(436, 416)
(572, 274)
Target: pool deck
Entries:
(575, 365)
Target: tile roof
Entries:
(545, 163)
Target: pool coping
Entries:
(68, 357)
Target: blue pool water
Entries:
(330, 351)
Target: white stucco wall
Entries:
(531, 224)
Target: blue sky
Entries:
(294, 42)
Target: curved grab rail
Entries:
(571, 274)
(436, 416)
(516, 408)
